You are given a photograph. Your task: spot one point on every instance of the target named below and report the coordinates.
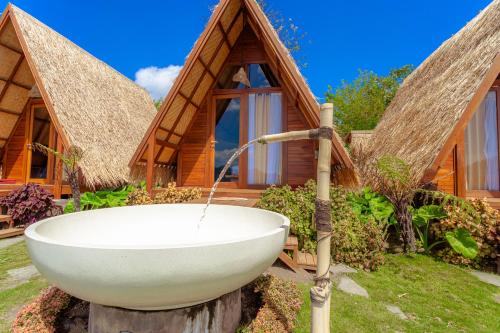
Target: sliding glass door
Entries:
(482, 147)
(237, 119)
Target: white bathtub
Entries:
(154, 257)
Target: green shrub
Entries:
(480, 221)
(298, 206)
(138, 196)
(101, 199)
(173, 194)
(368, 204)
(281, 303)
(355, 242)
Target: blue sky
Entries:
(342, 36)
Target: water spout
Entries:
(265, 139)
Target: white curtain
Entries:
(264, 117)
(481, 147)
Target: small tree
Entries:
(393, 178)
(359, 105)
(71, 159)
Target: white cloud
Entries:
(157, 81)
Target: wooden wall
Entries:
(194, 155)
(193, 161)
(299, 154)
(15, 152)
(445, 178)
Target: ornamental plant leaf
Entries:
(424, 214)
(462, 242)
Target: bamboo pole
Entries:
(320, 293)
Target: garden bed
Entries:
(268, 303)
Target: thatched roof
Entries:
(205, 62)
(91, 105)
(431, 106)
(359, 139)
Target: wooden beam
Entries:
(208, 70)
(150, 164)
(58, 172)
(166, 144)
(224, 35)
(189, 99)
(11, 48)
(20, 85)
(10, 112)
(11, 76)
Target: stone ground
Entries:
(490, 278)
(10, 241)
(18, 276)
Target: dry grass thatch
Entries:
(359, 139)
(98, 109)
(432, 100)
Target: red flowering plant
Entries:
(29, 203)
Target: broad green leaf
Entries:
(462, 242)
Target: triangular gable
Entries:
(436, 101)
(18, 76)
(91, 105)
(203, 66)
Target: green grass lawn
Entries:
(436, 296)
(15, 256)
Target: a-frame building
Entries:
(445, 119)
(54, 93)
(238, 82)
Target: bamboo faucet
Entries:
(321, 292)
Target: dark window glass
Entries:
(227, 137)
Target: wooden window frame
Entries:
(243, 95)
(484, 193)
(29, 137)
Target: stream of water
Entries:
(236, 154)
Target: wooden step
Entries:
(307, 261)
(11, 232)
(291, 243)
(290, 263)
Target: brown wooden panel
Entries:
(446, 175)
(300, 154)
(16, 153)
(194, 154)
(248, 49)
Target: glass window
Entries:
(227, 136)
(40, 134)
(261, 76)
(481, 147)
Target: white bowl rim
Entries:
(32, 234)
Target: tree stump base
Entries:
(220, 315)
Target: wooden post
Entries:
(320, 293)
(58, 182)
(150, 164)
